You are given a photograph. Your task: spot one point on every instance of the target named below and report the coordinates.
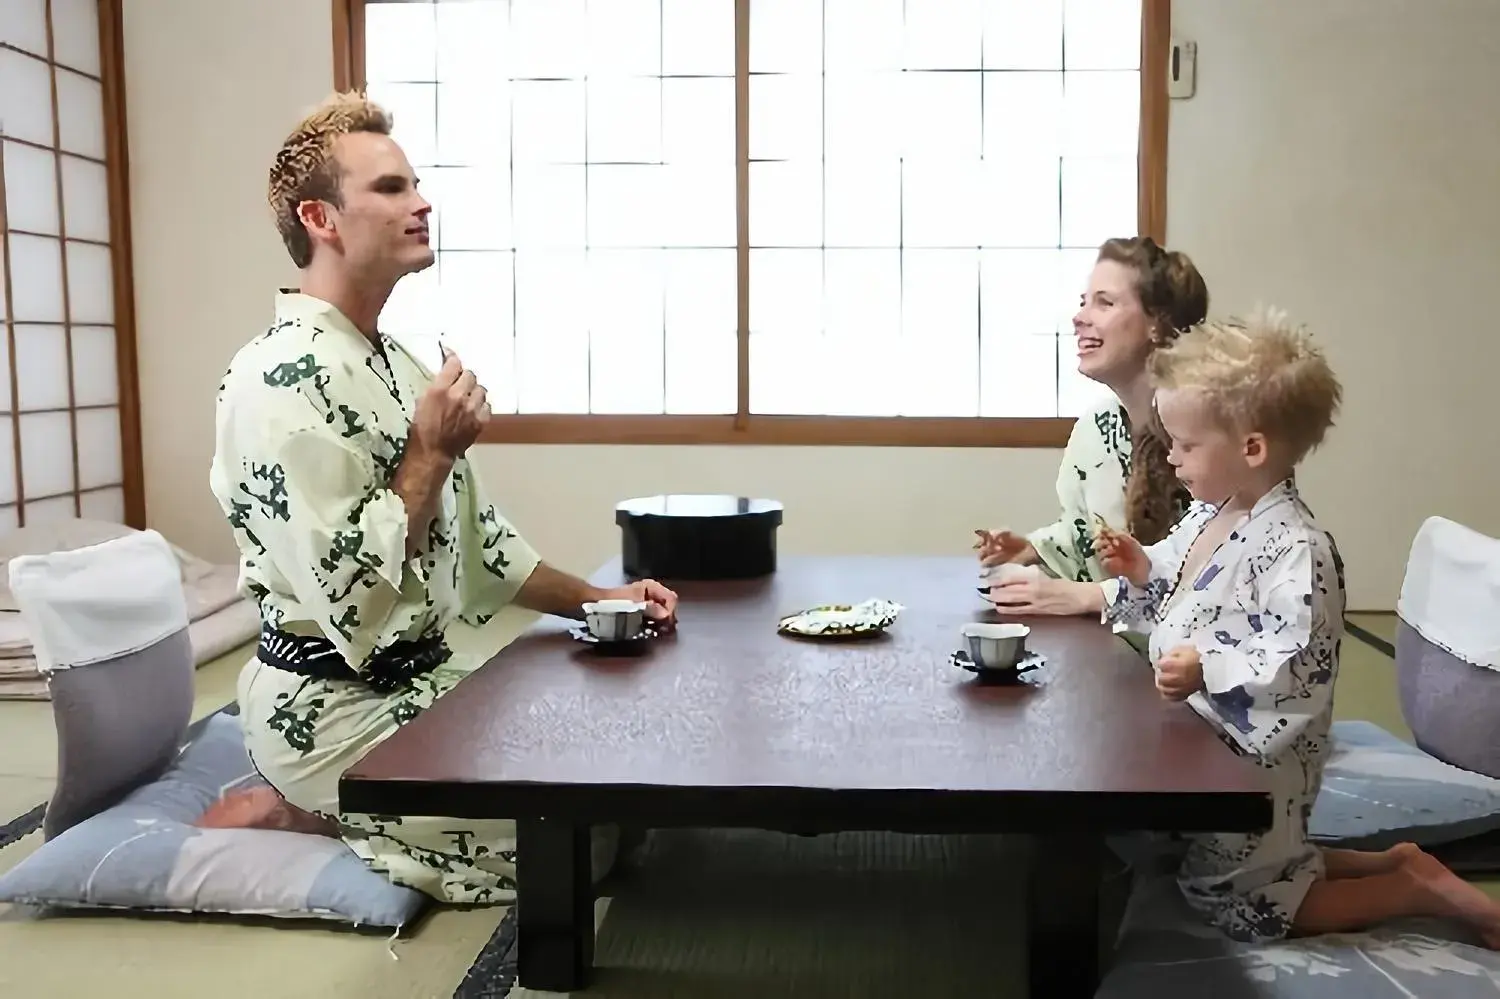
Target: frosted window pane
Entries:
(80, 114)
(23, 23)
(473, 123)
(697, 120)
(400, 43)
(50, 511)
(939, 295)
(478, 306)
(624, 38)
(1022, 293)
(786, 292)
(107, 505)
(413, 307)
(627, 363)
(862, 293)
(473, 44)
(943, 34)
(1075, 393)
(862, 205)
(25, 98)
(697, 37)
(1099, 200)
(700, 314)
(7, 460)
(85, 199)
(98, 448)
(942, 116)
(624, 120)
(5, 399)
(549, 207)
(698, 205)
(41, 367)
(547, 38)
(36, 279)
(786, 117)
(862, 36)
(75, 34)
(91, 292)
(1024, 34)
(413, 109)
(46, 454)
(1023, 114)
(624, 206)
(1101, 114)
(473, 206)
(786, 204)
(552, 344)
(96, 381)
(1102, 34)
(1018, 375)
(938, 201)
(547, 121)
(861, 116)
(786, 36)
(1020, 203)
(30, 189)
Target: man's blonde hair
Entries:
(306, 169)
(1262, 375)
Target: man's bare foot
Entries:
(1444, 893)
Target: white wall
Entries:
(1340, 159)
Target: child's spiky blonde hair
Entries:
(1262, 375)
(306, 169)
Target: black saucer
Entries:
(1000, 677)
(624, 647)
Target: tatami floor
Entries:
(166, 958)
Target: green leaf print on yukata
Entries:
(352, 425)
(1114, 431)
(298, 723)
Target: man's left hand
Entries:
(1045, 595)
(661, 603)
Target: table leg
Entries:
(554, 905)
(1062, 916)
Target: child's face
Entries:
(1211, 461)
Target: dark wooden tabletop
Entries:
(726, 722)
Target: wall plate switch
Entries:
(1182, 69)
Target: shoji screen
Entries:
(62, 449)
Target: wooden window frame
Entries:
(122, 277)
(745, 427)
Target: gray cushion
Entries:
(1451, 706)
(145, 853)
(119, 725)
(1379, 790)
(1164, 951)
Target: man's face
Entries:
(382, 225)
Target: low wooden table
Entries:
(729, 724)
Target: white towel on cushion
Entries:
(1451, 591)
(99, 602)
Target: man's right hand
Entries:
(453, 410)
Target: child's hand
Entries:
(1122, 555)
(1179, 673)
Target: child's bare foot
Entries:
(1446, 894)
(1402, 853)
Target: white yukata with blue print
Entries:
(1266, 615)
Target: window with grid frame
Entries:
(895, 233)
(69, 430)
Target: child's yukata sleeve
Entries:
(1128, 606)
(1269, 671)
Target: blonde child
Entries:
(1245, 602)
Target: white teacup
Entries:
(615, 620)
(996, 646)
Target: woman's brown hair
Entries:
(1175, 297)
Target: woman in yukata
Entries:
(1139, 297)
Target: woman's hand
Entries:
(1044, 595)
(998, 547)
(1122, 555)
(661, 603)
